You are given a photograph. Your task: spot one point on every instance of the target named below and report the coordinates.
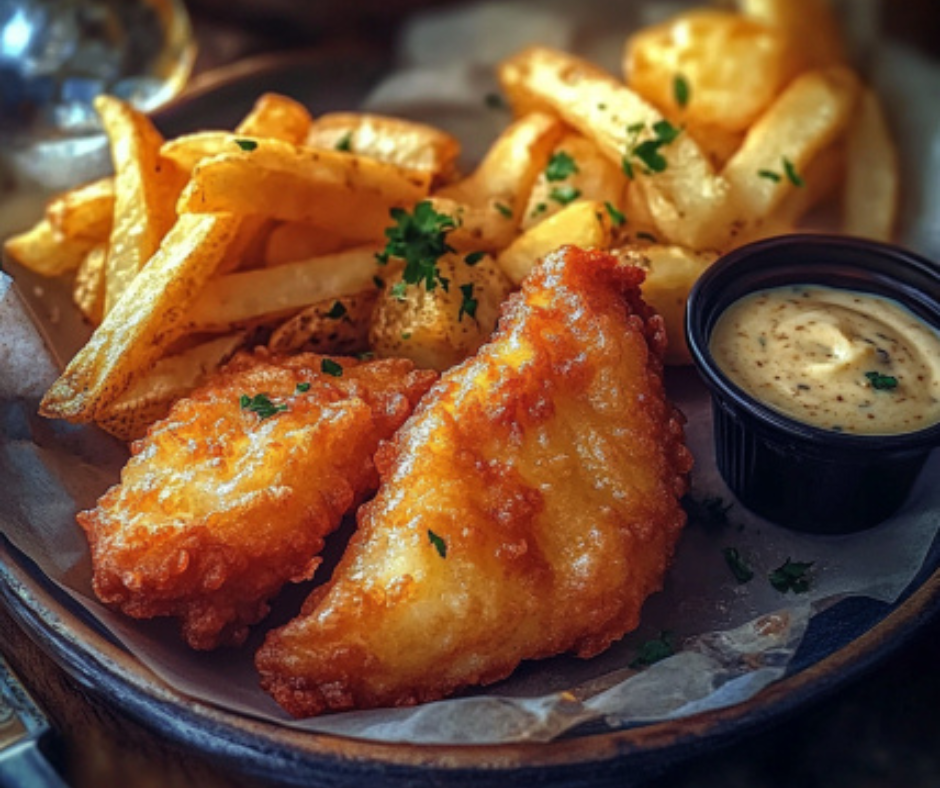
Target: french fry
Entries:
(592, 176)
(482, 228)
(810, 28)
(84, 212)
(670, 273)
(872, 183)
(45, 251)
(88, 288)
(404, 143)
(277, 117)
(710, 67)
(322, 188)
(337, 326)
(145, 191)
(810, 114)
(585, 224)
(251, 296)
(137, 331)
(687, 199)
(293, 241)
(503, 180)
(151, 396)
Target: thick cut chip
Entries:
(872, 181)
(47, 252)
(810, 27)
(329, 189)
(278, 117)
(405, 143)
(84, 212)
(146, 187)
(292, 242)
(88, 288)
(142, 326)
(230, 497)
(528, 508)
(337, 326)
(687, 199)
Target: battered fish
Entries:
(231, 496)
(527, 508)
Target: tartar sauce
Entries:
(836, 359)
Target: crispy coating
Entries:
(221, 505)
(527, 508)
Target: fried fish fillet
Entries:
(231, 496)
(527, 508)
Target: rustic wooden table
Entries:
(882, 731)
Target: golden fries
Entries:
(45, 251)
(337, 326)
(86, 212)
(88, 289)
(322, 188)
(277, 117)
(137, 331)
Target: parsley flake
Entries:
(710, 511)
(654, 651)
(790, 170)
(336, 311)
(564, 194)
(261, 405)
(505, 210)
(791, 576)
(398, 291)
(738, 566)
(468, 306)
(474, 257)
(681, 90)
(330, 367)
(560, 166)
(648, 151)
(302, 387)
(248, 145)
(344, 143)
(420, 239)
(770, 175)
(439, 544)
(616, 216)
(881, 382)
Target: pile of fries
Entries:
(728, 126)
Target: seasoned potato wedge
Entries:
(338, 326)
(291, 242)
(439, 328)
(47, 252)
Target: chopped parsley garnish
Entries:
(770, 175)
(681, 90)
(564, 194)
(302, 387)
(261, 405)
(336, 311)
(366, 355)
(494, 101)
(539, 208)
(468, 306)
(398, 291)
(654, 651)
(418, 238)
(505, 210)
(405, 335)
(711, 512)
(439, 544)
(330, 367)
(881, 382)
(616, 216)
(248, 145)
(791, 576)
(792, 174)
(345, 142)
(560, 166)
(738, 566)
(474, 257)
(648, 151)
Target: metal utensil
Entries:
(22, 726)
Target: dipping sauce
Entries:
(835, 359)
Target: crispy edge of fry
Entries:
(251, 296)
(84, 212)
(46, 252)
(141, 325)
(319, 329)
(150, 397)
(872, 181)
(88, 287)
(277, 116)
(286, 182)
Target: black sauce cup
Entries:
(786, 471)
